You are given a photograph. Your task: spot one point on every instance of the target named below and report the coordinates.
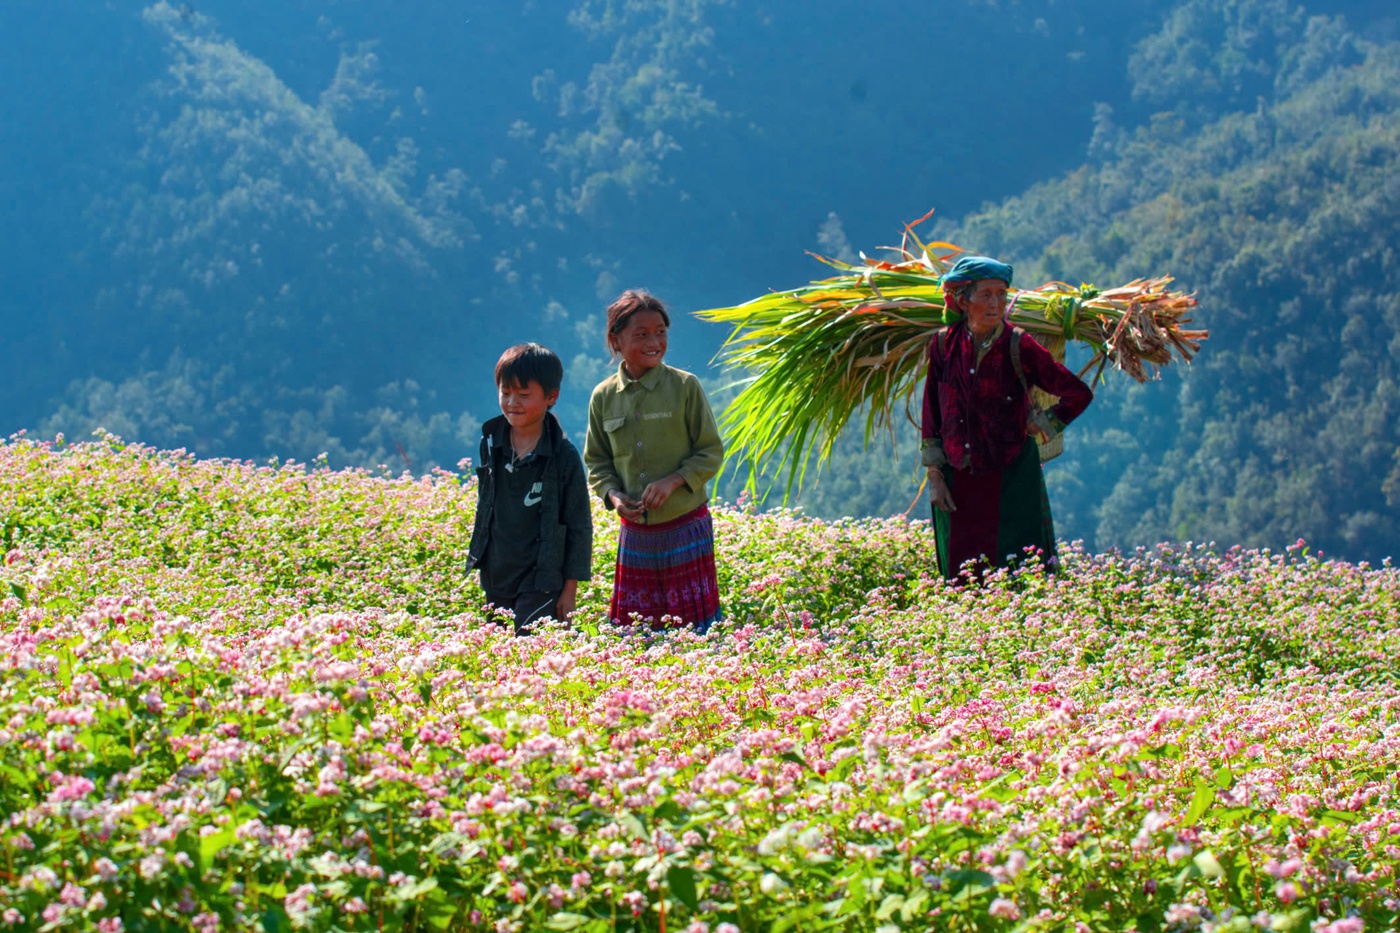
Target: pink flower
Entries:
(69, 787)
(1005, 909)
(1287, 891)
(1345, 925)
(298, 903)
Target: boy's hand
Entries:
(626, 506)
(656, 494)
(568, 601)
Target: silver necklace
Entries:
(518, 457)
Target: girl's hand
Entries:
(938, 491)
(626, 506)
(656, 494)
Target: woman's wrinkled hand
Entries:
(1041, 426)
(938, 491)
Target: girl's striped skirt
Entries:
(666, 573)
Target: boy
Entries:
(533, 536)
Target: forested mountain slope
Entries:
(1283, 218)
(258, 229)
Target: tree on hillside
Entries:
(1281, 217)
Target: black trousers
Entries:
(526, 607)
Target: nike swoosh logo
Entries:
(532, 498)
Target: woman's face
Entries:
(986, 305)
(641, 343)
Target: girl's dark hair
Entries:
(529, 362)
(628, 304)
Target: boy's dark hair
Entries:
(529, 362)
(628, 304)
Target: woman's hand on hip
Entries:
(938, 491)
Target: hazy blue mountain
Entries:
(295, 228)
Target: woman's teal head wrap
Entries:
(974, 268)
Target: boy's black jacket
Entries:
(566, 524)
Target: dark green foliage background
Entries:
(292, 229)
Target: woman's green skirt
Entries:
(1001, 517)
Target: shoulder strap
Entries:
(942, 339)
(1016, 335)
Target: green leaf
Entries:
(888, 906)
(275, 920)
(1149, 922)
(565, 921)
(1208, 864)
(633, 825)
(214, 843)
(1234, 815)
(411, 892)
(438, 909)
(1200, 803)
(969, 881)
(681, 880)
(913, 905)
(669, 811)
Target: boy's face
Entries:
(525, 406)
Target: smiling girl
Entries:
(652, 446)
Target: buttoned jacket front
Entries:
(975, 410)
(640, 430)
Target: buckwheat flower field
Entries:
(265, 697)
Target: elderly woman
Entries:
(985, 480)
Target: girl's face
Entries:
(641, 343)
